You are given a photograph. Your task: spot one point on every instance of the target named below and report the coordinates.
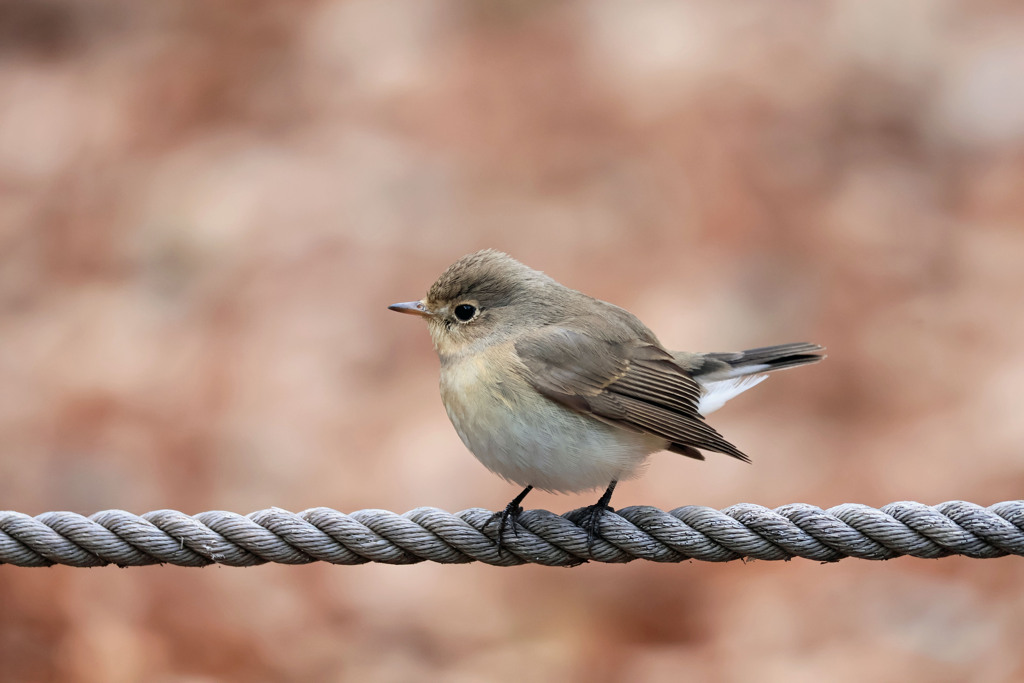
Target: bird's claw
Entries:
(509, 517)
(589, 519)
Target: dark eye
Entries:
(465, 312)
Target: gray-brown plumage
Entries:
(549, 387)
(632, 384)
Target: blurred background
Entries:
(205, 209)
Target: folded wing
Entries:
(632, 384)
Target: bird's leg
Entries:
(589, 517)
(511, 512)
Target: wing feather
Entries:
(634, 384)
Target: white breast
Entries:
(533, 441)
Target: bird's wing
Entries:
(633, 384)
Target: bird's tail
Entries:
(766, 358)
(723, 376)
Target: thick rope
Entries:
(428, 534)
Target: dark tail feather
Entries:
(712, 368)
(774, 357)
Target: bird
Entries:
(553, 389)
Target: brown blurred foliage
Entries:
(206, 207)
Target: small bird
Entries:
(553, 389)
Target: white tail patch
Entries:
(717, 392)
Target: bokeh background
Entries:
(206, 207)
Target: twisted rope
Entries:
(690, 532)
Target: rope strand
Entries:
(541, 537)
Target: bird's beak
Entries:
(411, 307)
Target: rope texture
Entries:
(541, 537)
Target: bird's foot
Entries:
(508, 517)
(589, 519)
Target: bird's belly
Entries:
(533, 441)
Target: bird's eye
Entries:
(465, 312)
